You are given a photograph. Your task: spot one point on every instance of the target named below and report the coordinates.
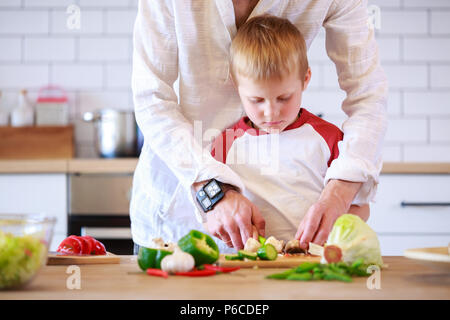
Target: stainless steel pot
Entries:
(116, 133)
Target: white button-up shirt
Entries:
(184, 97)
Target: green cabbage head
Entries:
(356, 240)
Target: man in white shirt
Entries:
(189, 41)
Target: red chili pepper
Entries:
(157, 272)
(220, 269)
(197, 273)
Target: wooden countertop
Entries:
(128, 165)
(403, 279)
(122, 165)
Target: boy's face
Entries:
(272, 104)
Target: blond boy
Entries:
(280, 150)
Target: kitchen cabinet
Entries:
(37, 194)
(411, 210)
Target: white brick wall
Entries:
(414, 44)
(94, 65)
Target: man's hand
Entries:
(233, 218)
(334, 201)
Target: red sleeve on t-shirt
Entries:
(329, 132)
(224, 141)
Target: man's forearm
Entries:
(342, 191)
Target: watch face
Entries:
(206, 203)
(212, 189)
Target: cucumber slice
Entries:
(267, 252)
(247, 254)
(233, 257)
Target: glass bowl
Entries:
(24, 244)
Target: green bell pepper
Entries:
(151, 258)
(201, 246)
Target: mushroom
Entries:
(252, 245)
(293, 246)
(158, 243)
(171, 246)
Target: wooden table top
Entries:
(403, 279)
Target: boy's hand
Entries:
(334, 201)
(233, 218)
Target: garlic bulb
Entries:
(179, 261)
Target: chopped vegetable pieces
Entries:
(316, 271)
(69, 246)
(262, 240)
(332, 253)
(267, 252)
(76, 245)
(233, 257)
(247, 254)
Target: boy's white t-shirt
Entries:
(283, 173)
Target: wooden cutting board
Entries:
(281, 262)
(54, 258)
(46, 142)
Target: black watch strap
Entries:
(210, 194)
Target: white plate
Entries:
(436, 257)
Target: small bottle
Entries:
(23, 114)
(4, 114)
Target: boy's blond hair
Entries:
(267, 47)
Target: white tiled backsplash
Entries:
(94, 65)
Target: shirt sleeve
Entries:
(351, 45)
(169, 134)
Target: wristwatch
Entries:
(210, 194)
